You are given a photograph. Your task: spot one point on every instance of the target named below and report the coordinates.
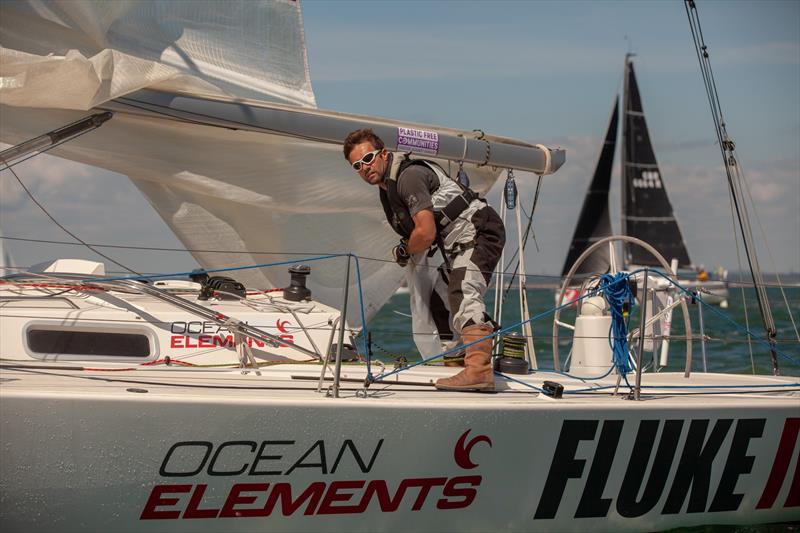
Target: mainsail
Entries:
(646, 211)
(240, 181)
(594, 222)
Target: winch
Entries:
(297, 290)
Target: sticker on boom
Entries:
(417, 141)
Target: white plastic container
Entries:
(591, 353)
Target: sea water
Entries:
(725, 330)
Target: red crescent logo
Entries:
(462, 451)
(281, 325)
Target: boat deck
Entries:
(298, 382)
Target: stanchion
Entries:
(342, 326)
(637, 393)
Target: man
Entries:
(427, 208)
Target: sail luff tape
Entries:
(546, 151)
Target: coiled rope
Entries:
(616, 291)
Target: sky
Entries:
(543, 72)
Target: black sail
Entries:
(594, 222)
(646, 211)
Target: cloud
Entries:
(97, 205)
(700, 199)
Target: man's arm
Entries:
(424, 232)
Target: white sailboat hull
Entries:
(177, 450)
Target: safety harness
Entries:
(399, 216)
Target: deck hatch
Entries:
(94, 343)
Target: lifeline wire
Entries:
(620, 278)
(210, 270)
(232, 252)
(752, 335)
(565, 305)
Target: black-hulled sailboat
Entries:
(646, 212)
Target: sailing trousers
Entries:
(472, 267)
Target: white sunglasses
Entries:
(366, 159)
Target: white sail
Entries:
(222, 176)
(79, 54)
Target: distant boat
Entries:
(646, 212)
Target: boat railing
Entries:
(684, 296)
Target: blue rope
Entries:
(616, 291)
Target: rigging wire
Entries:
(769, 253)
(742, 284)
(52, 219)
(733, 174)
(227, 252)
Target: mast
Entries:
(623, 156)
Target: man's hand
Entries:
(400, 253)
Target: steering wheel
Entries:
(608, 241)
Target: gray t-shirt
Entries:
(415, 186)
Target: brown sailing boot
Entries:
(478, 374)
